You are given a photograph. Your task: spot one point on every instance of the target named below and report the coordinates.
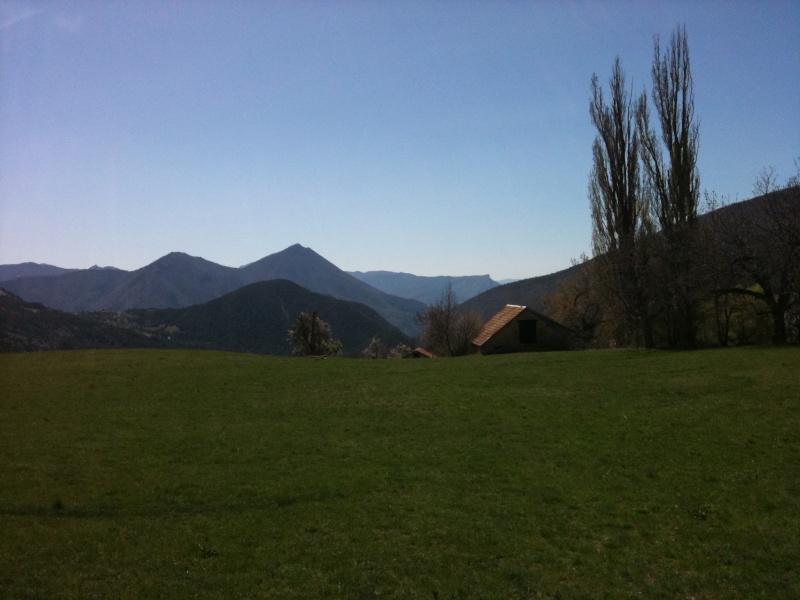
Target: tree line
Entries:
(445, 330)
(662, 276)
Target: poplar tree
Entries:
(671, 179)
(620, 212)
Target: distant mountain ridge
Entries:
(426, 289)
(525, 292)
(172, 281)
(178, 280)
(30, 269)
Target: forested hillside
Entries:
(255, 318)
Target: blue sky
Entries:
(435, 138)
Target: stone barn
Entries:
(522, 329)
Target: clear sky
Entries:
(430, 137)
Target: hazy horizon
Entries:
(110, 266)
(432, 138)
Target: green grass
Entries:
(161, 474)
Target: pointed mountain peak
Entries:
(295, 263)
(292, 254)
(297, 249)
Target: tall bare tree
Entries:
(672, 181)
(446, 329)
(620, 220)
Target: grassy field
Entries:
(161, 474)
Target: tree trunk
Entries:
(778, 312)
(723, 322)
(647, 331)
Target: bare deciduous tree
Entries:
(575, 303)
(758, 251)
(446, 329)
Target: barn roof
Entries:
(497, 322)
(421, 352)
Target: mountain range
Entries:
(179, 280)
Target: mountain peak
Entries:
(297, 249)
(177, 255)
(176, 258)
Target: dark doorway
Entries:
(527, 332)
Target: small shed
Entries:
(522, 329)
(420, 353)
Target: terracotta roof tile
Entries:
(497, 322)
